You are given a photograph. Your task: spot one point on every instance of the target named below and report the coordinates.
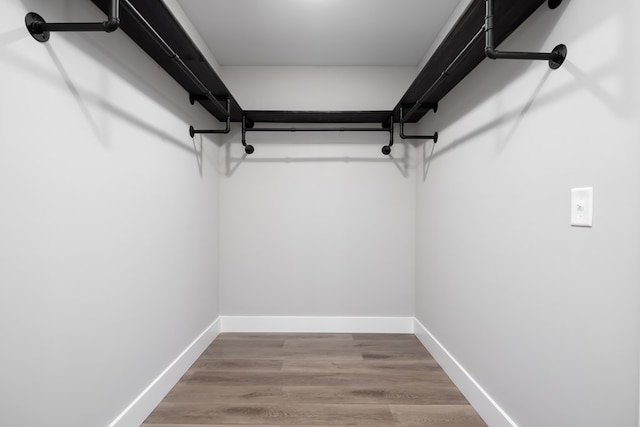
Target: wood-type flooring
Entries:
(321, 380)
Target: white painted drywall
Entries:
(317, 224)
(318, 88)
(542, 315)
(108, 221)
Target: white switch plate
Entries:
(582, 207)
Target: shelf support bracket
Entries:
(227, 129)
(433, 137)
(41, 29)
(556, 57)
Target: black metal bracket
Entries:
(247, 148)
(556, 57)
(249, 126)
(433, 137)
(227, 129)
(386, 150)
(41, 29)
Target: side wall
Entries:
(542, 315)
(108, 224)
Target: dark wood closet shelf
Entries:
(508, 16)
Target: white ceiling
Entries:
(319, 32)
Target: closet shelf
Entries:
(508, 16)
(158, 15)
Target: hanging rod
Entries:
(40, 29)
(227, 129)
(249, 127)
(433, 137)
(556, 57)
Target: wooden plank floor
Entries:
(321, 380)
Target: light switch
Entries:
(582, 207)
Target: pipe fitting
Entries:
(111, 25)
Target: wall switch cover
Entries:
(582, 207)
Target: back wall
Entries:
(317, 224)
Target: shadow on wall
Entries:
(233, 163)
(507, 71)
(116, 58)
(426, 160)
(11, 36)
(113, 58)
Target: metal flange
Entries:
(32, 20)
(561, 54)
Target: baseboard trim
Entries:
(481, 401)
(146, 402)
(306, 324)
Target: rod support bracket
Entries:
(430, 106)
(193, 98)
(247, 148)
(33, 21)
(227, 129)
(555, 57)
(554, 3)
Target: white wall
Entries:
(317, 224)
(108, 223)
(542, 315)
(318, 88)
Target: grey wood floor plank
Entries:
(364, 366)
(436, 416)
(243, 365)
(285, 414)
(211, 392)
(208, 425)
(408, 394)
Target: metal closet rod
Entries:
(556, 57)
(40, 29)
(250, 149)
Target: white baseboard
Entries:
(305, 324)
(146, 402)
(481, 401)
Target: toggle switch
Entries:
(582, 207)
